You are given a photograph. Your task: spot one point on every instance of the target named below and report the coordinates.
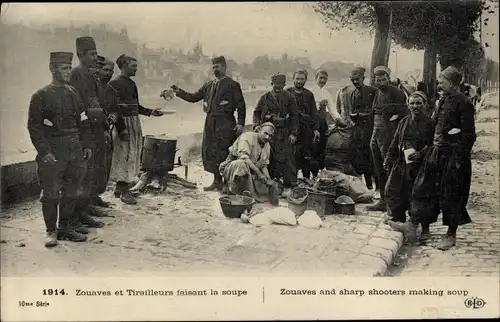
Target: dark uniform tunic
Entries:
(221, 98)
(443, 182)
(362, 103)
(308, 123)
(87, 86)
(54, 126)
(280, 109)
(387, 103)
(411, 133)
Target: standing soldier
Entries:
(279, 107)
(55, 129)
(104, 70)
(389, 107)
(354, 103)
(443, 181)
(122, 103)
(308, 123)
(221, 97)
(87, 85)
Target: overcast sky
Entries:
(239, 30)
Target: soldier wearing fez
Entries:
(55, 128)
(87, 85)
(221, 98)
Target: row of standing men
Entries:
(85, 127)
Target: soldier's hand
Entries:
(238, 129)
(124, 135)
(175, 88)
(87, 153)
(316, 136)
(156, 113)
(49, 159)
(292, 139)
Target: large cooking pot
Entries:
(158, 153)
(344, 205)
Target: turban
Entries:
(358, 72)
(84, 44)
(278, 78)
(421, 95)
(380, 70)
(108, 62)
(219, 60)
(452, 74)
(301, 71)
(271, 125)
(123, 60)
(321, 72)
(61, 57)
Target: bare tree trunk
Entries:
(382, 42)
(429, 72)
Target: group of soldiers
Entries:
(420, 164)
(85, 128)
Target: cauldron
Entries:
(158, 153)
(344, 205)
(234, 205)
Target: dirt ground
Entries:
(478, 243)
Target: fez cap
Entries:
(301, 71)
(380, 70)
(358, 72)
(85, 43)
(219, 60)
(420, 94)
(61, 57)
(278, 78)
(452, 74)
(123, 60)
(108, 62)
(321, 72)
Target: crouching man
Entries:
(245, 168)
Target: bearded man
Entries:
(279, 107)
(221, 98)
(308, 125)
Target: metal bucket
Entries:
(158, 153)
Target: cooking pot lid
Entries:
(344, 200)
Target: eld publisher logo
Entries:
(474, 303)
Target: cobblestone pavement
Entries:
(478, 243)
(184, 231)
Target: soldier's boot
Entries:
(49, 210)
(66, 231)
(378, 206)
(449, 240)
(216, 185)
(86, 219)
(51, 238)
(76, 224)
(93, 211)
(97, 201)
(409, 230)
(127, 198)
(120, 188)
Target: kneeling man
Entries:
(245, 168)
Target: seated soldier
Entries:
(245, 168)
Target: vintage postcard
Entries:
(249, 160)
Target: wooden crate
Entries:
(321, 202)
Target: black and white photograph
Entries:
(346, 139)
